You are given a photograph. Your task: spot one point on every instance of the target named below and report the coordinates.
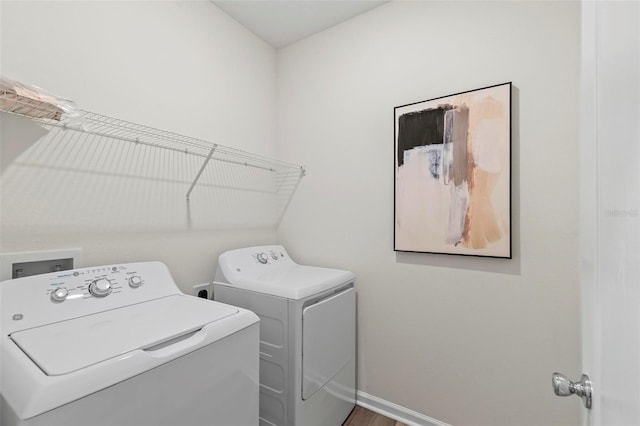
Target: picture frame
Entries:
(452, 173)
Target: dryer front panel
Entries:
(328, 339)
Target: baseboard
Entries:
(395, 411)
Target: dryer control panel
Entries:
(267, 254)
(262, 263)
(63, 295)
(270, 270)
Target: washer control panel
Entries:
(93, 282)
(46, 298)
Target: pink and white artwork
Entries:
(453, 174)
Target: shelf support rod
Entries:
(213, 149)
(303, 173)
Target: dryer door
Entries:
(328, 339)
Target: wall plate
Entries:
(38, 262)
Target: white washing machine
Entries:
(121, 345)
(307, 333)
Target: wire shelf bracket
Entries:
(204, 166)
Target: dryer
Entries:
(121, 345)
(307, 333)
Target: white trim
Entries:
(589, 208)
(395, 411)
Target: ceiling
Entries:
(282, 22)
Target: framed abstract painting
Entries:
(452, 169)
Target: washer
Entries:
(121, 345)
(307, 333)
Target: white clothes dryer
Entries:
(307, 333)
(121, 345)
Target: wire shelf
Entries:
(51, 116)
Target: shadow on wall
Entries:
(70, 180)
(17, 136)
(501, 266)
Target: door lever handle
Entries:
(562, 386)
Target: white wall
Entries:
(180, 66)
(464, 340)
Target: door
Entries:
(610, 210)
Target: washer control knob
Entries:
(262, 257)
(135, 281)
(59, 294)
(274, 255)
(100, 288)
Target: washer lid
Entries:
(68, 346)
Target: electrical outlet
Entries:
(202, 290)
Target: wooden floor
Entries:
(363, 417)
